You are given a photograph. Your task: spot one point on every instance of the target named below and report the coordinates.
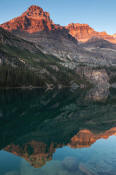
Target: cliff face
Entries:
(83, 32)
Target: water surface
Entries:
(57, 132)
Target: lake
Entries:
(58, 132)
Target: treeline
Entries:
(18, 77)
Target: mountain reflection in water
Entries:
(57, 133)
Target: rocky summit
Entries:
(31, 21)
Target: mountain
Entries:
(52, 52)
(83, 32)
(36, 26)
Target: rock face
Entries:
(100, 80)
(31, 21)
(83, 32)
(99, 77)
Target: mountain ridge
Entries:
(35, 19)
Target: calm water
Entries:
(57, 132)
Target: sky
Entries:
(99, 14)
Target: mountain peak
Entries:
(34, 7)
(34, 19)
(35, 11)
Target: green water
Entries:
(57, 132)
